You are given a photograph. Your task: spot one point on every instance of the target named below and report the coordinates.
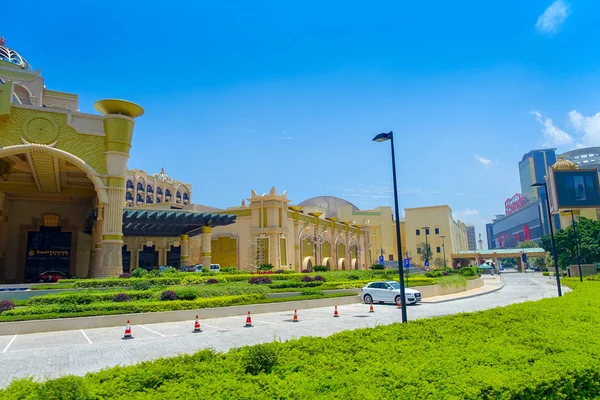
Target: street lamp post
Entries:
(576, 243)
(382, 137)
(554, 255)
(443, 249)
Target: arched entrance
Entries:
(126, 260)
(328, 262)
(308, 263)
(174, 256)
(354, 264)
(342, 264)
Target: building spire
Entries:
(2, 41)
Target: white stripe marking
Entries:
(212, 326)
(150, 330)
(9, 343)
(86, 336)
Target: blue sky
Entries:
(248, 95)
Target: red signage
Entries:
(515, 203)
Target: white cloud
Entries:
(467, 213)
(554, 135)
(483, 160)
(553, 17)
(588, 127)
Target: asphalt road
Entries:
(54, 354)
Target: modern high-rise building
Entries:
(471, 239)
(588, 157)
(532, 169)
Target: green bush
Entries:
(265, 267)
(312, 292)
(434, 274)
(260, 358)
(139, 273)
(294, 284)
(320, 268)
(377, 267)
(141, 285)
(229, 270)
(354, 277)
(185, 293)
(452, 280)
(468, 271)
(546, 273)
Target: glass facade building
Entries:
(532, 169)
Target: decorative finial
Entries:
(2, 41)
(162, 170)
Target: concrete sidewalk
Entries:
(491, 284)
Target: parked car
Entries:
(212, 268)
(163, 268)
(52, 276)
(388, 292)
(189, 268)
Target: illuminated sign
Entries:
(48, 253)
(515, 203)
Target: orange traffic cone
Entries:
(248, 321)
(399, 303)
(295, 316)
(197, 326)
(371, 308)
(335, 312)
(127, 332)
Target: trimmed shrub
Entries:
(434, 274)
(141, 285)
(168, 295)
(279, 271)
(312, 292)
(307, 279)
(377, 267)
(259, 280)
(211, 281)
(320, 268)
(229, 270)
(121, 297)
(468, 271)
(185, 293)
(319, 278)
(170, 270)
(355, 277)
(294, 284)
(546, 273)
(265, 267)
(125, 275)
(307, 271)
(139, 272)
(155, 273)
(259, 358)
(6, 305)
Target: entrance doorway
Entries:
(173, 256)
(47, 250)
(148, 258)
(126, 260)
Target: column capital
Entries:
(206, 229)
(184, 237)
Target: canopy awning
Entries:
(170, 223)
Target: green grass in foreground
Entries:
(547, 349)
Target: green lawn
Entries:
(547, 349)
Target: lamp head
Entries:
(538, 184)
(382, 137)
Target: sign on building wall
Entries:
(570, 189)
(514, 203)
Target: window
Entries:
(140, 186)
(438, 249)
(418, 232)
(427, 231)
(437, 231)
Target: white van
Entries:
(213, 268)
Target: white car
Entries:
(212, 268)
(388, 292)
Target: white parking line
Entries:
(150, 330)
(216, 327)
(9, 343)
(86, 336)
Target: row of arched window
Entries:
(146, 196)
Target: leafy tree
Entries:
(424, 250)
(438, 263)
(508, 262)
(588, 232)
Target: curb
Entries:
(464, 297)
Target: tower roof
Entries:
(564, 164)
(11, 56)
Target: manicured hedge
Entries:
(536, 350)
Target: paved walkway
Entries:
(490, 284)
(53, 354)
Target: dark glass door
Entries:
(148, 258)
(47, 250)
(126, 259)
(173, 256)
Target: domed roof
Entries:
(329, 203)
(12, 56)
(564, 164)
(162, 176)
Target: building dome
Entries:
(162, 176)
(329, 203)
(564, 164)
(11, 56)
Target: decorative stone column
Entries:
(184, 257)
(96, 253)
(297, 242)
(206, 246)
(118, 131)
